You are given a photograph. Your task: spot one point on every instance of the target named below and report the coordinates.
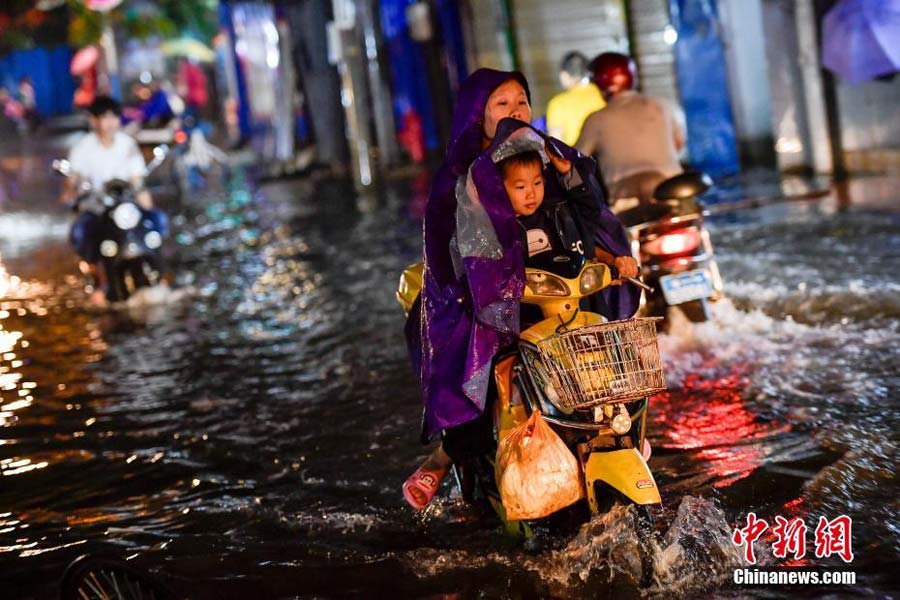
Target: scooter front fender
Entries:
(626, 471)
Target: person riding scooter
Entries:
(103, 155)
(636, 139)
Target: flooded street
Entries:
(247, 434)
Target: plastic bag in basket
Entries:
(536, 473)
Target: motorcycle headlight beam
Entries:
(153, 240)
(544, 284)
(126, 216)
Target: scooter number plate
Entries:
(684, 287)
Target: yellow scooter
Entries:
(589, 378)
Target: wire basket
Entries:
(600, 364)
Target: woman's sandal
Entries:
(420, 488)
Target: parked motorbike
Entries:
(127, 241)
(669, 235)
(590, 380)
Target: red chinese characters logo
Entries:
(832, 537)
(790, 537)
(745, 536)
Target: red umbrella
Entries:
(83, 60)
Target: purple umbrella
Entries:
(861, 39)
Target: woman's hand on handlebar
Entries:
(626, 266)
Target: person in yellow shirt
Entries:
(567, 110)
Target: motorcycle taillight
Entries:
(673, 243)
(181, 136)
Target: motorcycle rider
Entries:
(636, 139)
(524, 181)
(102, 155)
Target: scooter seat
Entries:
(683, 186)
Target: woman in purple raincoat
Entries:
(469, 305)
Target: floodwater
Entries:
(246, 435)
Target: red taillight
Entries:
(180, 136)
(673, 243)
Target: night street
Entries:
(449, 299)
(247, 434)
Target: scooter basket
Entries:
(602, 364)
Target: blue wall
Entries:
(49, 71)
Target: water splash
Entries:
(696, 552)
(693, 554)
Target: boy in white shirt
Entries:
(102, 155)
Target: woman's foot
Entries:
(422, 485)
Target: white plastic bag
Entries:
(536, 473)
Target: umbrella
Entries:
(861, 39)
(188, 48)
(102, 5)
(83, 60)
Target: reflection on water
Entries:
(249, 430)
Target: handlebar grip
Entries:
(614, 273)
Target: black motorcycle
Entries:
(125, 238)
(670, 237)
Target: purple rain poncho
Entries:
(469, 306)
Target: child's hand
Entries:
(560, 164)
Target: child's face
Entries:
(524, 185)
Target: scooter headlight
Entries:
(621, 423)
(153, 240)
(544, 284)
(109, 248)
(126, 216)
(132, 250)
(593, 279)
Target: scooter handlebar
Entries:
(614, 273)
(637, 282)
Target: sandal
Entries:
(420, 488)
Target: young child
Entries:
(548, 230)
(548, 222)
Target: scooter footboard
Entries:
(626, 471)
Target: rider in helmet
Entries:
(636, 139)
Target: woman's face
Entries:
(508, 100)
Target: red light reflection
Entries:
(710, 417)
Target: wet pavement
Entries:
(247, 434)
